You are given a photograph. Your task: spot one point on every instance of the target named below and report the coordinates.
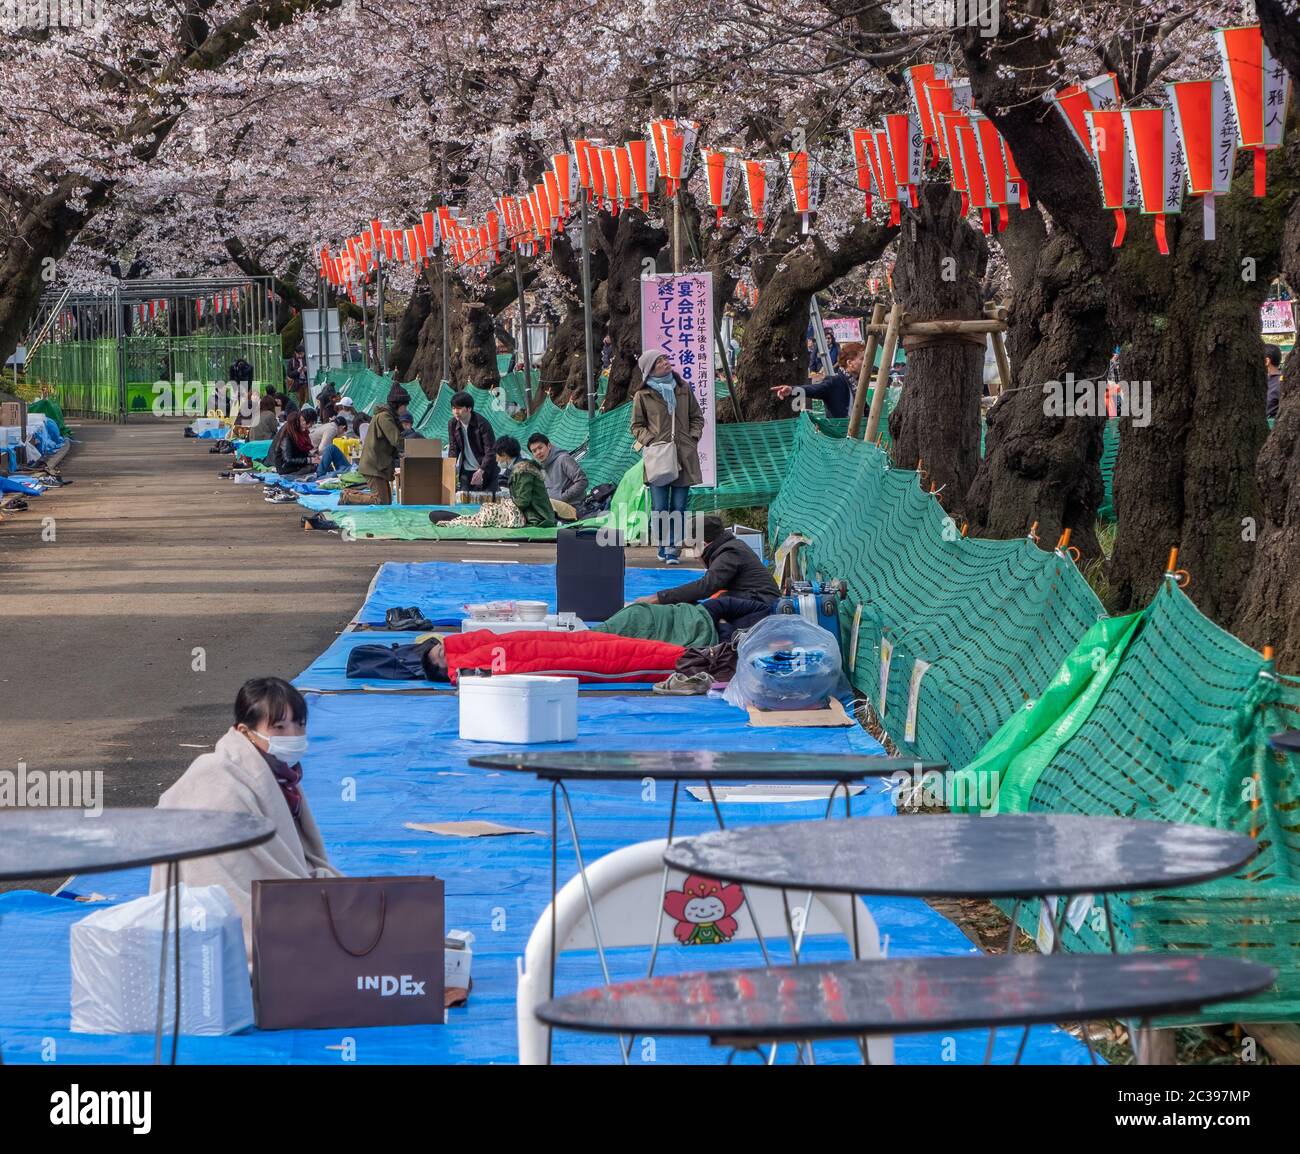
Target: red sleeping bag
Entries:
(588, 656)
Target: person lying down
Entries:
(590, 656)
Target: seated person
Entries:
(589, 656)
(835, 389)
(565, 480)
(748, 591)
(266, 426)
(326, 430)
(408, 428)
(291, 451)
(255, 768)
(471, 442)
(528, 505)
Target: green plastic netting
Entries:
(1161, 715)
(1180, 733)
(990, 620)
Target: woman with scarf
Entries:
(665, 412)
(291, 450)
(255, 768)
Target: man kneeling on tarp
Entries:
(589, 656)
(736, 589)
(255, 768)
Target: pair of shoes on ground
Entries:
(284, 498)
(320, 521)
(684, 685)
(669, 558)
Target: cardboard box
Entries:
(14, 413)
(426, 477)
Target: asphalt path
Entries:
(135, 601)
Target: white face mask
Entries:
(288, 749)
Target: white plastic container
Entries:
(518, 708)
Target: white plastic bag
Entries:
(115, 955)
(785, 662)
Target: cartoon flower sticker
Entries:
(702, 909)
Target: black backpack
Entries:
(597, 501)
(393, 662)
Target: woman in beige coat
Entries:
(255, 768)
(664, 410)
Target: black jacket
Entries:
(836, 390)
(482, 440)
(286, 456)
(733, 566)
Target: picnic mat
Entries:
(380, 763)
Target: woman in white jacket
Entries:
(255, 768)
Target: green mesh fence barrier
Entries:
(1180, 733)
(1173, 728)
(1109, 453)
(566, 427)
(84, 375)
(92, 378)
(989, 621)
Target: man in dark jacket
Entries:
(836, 389)
(1273, 367)
(748, 591)
(383, 447)
(472, 442)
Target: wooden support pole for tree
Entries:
(882, 375)
(864, 372)
(1004, 362)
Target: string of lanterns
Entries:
(1142, 158)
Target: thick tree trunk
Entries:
(1268, 611)
(563, 368)
(775, 350)
(472, 312)
(637, 239)
(937, 276)
(1190, 330)
(1041, 468)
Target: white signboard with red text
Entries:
(677, 316)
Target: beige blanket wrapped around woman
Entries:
(234, 778)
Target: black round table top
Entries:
(702, 765)
(954, 855)
(39, 843)
(907, 995)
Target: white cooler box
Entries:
(518, 708)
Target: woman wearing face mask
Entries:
(666, 413)
(256, 767)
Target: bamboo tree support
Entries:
(864, 372)
(882, 375)
(1000, 347)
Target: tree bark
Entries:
(636, 239)
(937, 276)
(1039, 467)
(775, 350)
(1268, 611)
(1190, 328)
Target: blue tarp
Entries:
(379, 761)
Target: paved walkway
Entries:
(124, 639)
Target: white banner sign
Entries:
(677, 316)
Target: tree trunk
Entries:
(775, 350)
(1040, 467)
(1190, 330)
(937, 276)
(1036, 467)
(636, 240)
(1268, 611)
